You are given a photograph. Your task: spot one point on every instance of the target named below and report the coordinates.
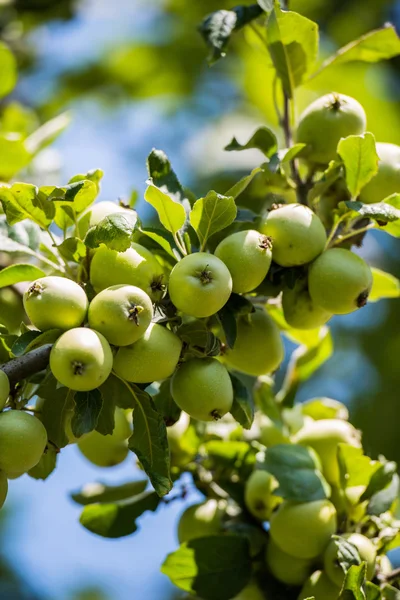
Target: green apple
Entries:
(297, 234)
(339, 281)
(23, 440)
(258, 495)
(247, 254)
(81, 359)
(55, 303)
(200, 520)
(202, 388)
(11, 309)
(200, 285)
(96, 213)
(387, 180)
(303, 530)
(4, 389)
(367, 552)
(300, 311)
(136, 266)
(287, 569)
(122, 313)
(107, 450)
(325, 121)
(258, 348)
(324, 436)
(319, 587)
(153, 357)
(3, 488)
(250, 592)
(271, 433)
(383, 564)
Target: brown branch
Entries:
(24, 366)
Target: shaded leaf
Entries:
(360, 159)
(384, 499)
(241, 185)
(243, 405)
(166, 405)
(172, 215)
(160, 237)
(22, 342)
(106, 419)
(381, 211)
(211, 214)
(46, 337)
(45, 466)
(57, 401)
(8, 70)
(236, 305)
(263, 139)
(72, 249)
(353, 584)
(86, 412)
(93, 493)
(163, 176)
(115, 231)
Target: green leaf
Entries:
(384, 499)
(382, 477)
(19, 272)
(392, 227)
(8, 66)
(303, 364)
(360, 159)
(297, 472)
(355, 468)
(19, 346)
(218, 27)
(57, 401)
(236, 305)
(243, 405)
(115, 231)
(106, 419)
(373, 591)
(328, 177)
(172, 215)
(47, 133)
(384, 285)
(163, 176)
(100, 493)
(47, 337)
(353, 584)
(347, 553)
(45, 466)
(118, 519)
(23, 201)
(72, 249)
(166, 405)
(25, 232)
(293, 45)
(86, 412)
(159, 237)
(241, 185)
(374, 46)
(94, 175)
(199, 566)
(13, 155)
(291, 153)
(71, 200)
(263, 139)
(212, 214)
(381, 212)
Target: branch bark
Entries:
(24, 366)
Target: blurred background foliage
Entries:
(133, 75)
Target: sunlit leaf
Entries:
(360, 159)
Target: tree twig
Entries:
(287, 130)
(24, 366)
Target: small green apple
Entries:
(325, 121)
(258, 495)
(339, 281)
(319, 587)
(12, 312)
(81, 359)
(324, 436)
(55, 303)
(367, 552)
(297, 234)
(202, 388)
(136, 266)
(23, 440)
(153, 357)
(287, 569)
(200, 520)
(387, 180)
(4, 389)
(258, 348)
(122, 313)
(247, 254)
(303, 530)
(271, 433)
(251, 592)
(200, 285)
(300, 311)
(107, 450)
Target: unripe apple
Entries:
(107, 450)
(339, 281)
(367, 552)
(325, 121)
(176, 431)
(152, 358)
(258, 495)
(287, 569)
(200, 520)
(387, 180)
(258, 348)
(324, 436)
(81, 359)
(136, 266)
(250, 592)
(200, 285)
(3, 488)
(202, 388)
(303, 529)
(55, 303)
(11, 309)
(319, 587)
(247, 254)
(300, 311)
(4, 389)
(297, 234)
(122, 313)
(96, 213)
(384, 566)
(23, 440)
(270, 433)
